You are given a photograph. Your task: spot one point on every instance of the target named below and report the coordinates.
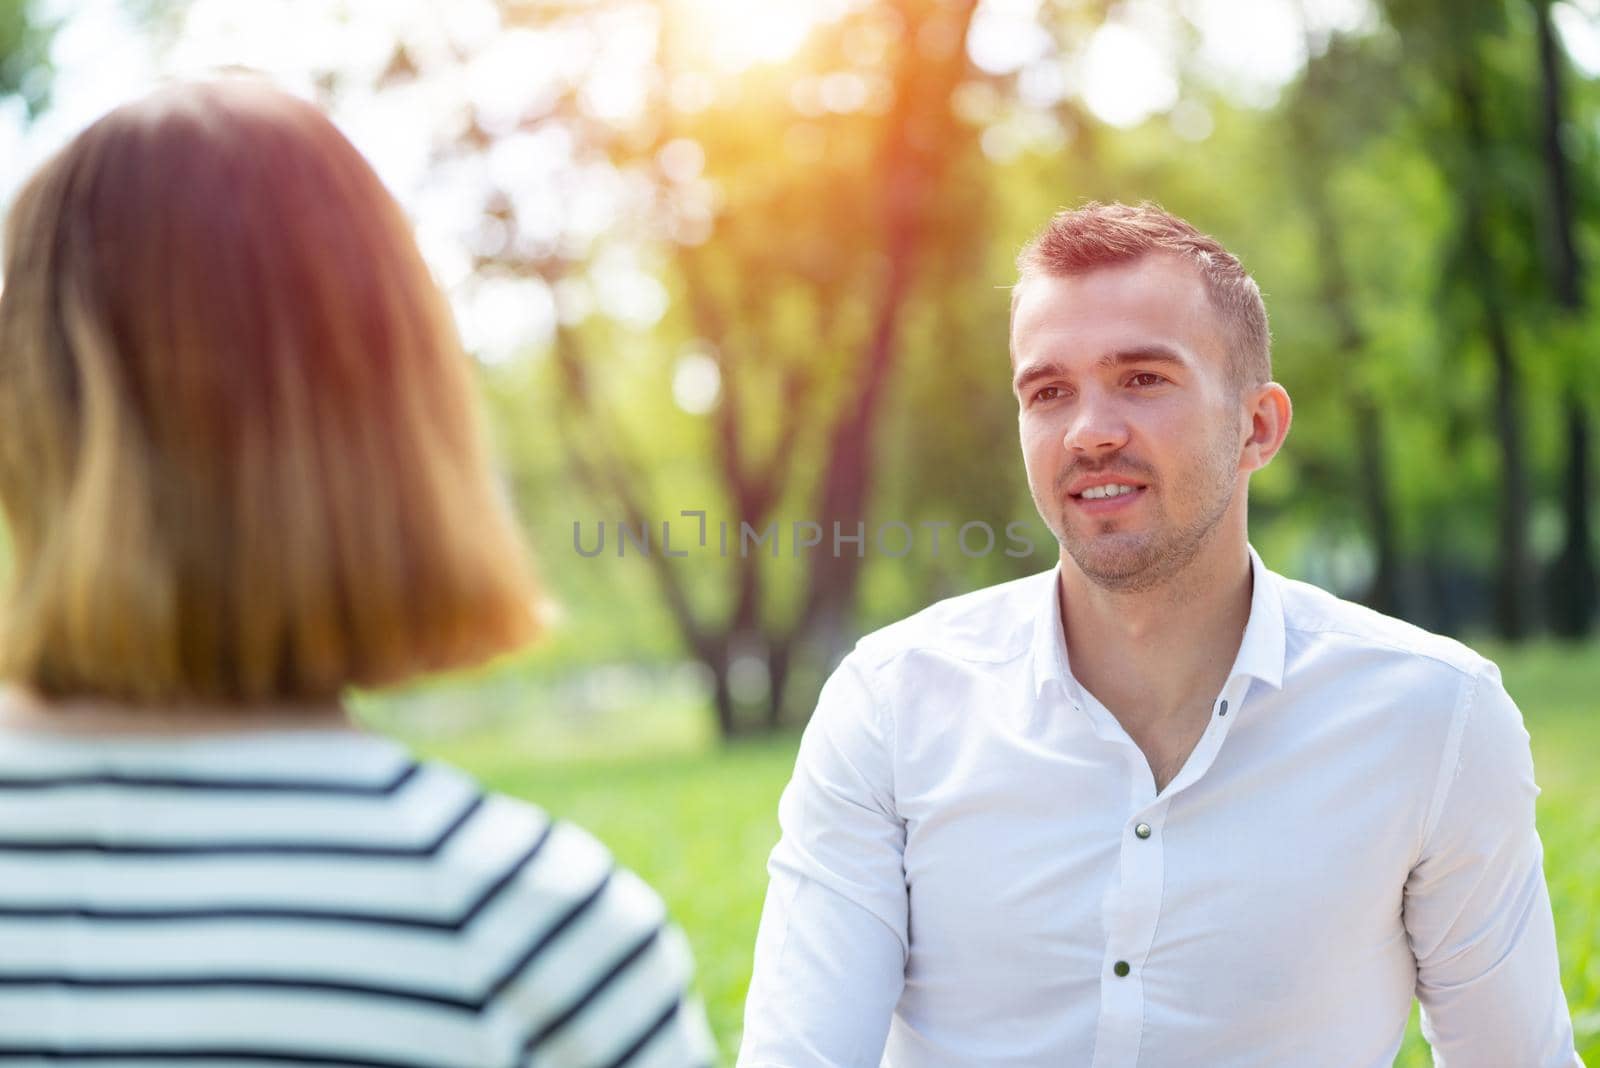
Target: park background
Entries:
(750, 259)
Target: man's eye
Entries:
(1047, 393)
(1154, 378)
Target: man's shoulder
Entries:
(1315, 615)
(989, 625)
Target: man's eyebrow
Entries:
(1155, 353)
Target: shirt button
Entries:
(1143, 830)
(1121, 967)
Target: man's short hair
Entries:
(1103, 235)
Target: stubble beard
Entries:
(1136, 561)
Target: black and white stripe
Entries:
(156, 908)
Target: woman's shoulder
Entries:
(554, 861)
(598, 967)
(560, 878)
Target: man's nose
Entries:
(1098, 425)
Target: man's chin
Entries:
(1114, 561)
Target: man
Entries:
(1159, 806)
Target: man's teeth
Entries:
(1116, 489)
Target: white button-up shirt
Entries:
(976, 869)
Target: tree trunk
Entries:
(1513, 571)
(778, 674)
(915, 146)
(722, 697)
(1383, 593)
(1571, 582)
(1514, 576)
(1570, 585)
(1567, 270)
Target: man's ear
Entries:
(1269, 413)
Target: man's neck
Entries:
(1155, 655)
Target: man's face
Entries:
(1121, 376)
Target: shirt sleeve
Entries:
(831, 950)
(1477, 910)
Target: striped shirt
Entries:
(316, 897)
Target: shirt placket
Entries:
(1131, 908)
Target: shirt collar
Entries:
(1261, 652)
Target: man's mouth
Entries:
(1111, 489)
(1111, 497)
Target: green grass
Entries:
(697, 821)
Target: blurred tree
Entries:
(25, 53)
(1459, 94)
(1571, 585)
(830, 178)
(1343, 97)
(838, 242)
(835, 231)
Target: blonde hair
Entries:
(239, 451)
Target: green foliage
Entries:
(1397, 184)
(24, 53)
